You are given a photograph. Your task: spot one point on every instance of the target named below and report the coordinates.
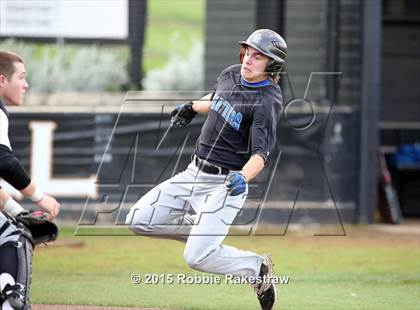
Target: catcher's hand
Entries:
(37, 223)
(50, 205)
(182, 115)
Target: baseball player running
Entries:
(234, 146)
(17, 238)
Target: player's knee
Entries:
(140, 229)
(194, 257)
(135, 217)
(191, 259)
(138, 223)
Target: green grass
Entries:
(172, 26)
(325, 273)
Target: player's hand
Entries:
(236, 184)
(50, 205)
(37, 223)
(182, 115)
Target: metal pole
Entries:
(137, 14)
(333, 48)
(369, 109)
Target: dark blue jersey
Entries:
(242, 120)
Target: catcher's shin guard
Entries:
(15, 293)
(14, 289)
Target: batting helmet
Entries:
(269, 43)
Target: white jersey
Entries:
(4, 126)
(8, 230)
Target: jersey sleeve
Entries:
(4, 124)
(11, 170)
(263, 129)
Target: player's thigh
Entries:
(161, 204)
(218, 213)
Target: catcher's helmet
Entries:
(269, 43)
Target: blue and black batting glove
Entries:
(182, 115)
(236, 184)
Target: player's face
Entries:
(14, 88)
(253, 65)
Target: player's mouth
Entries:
(246, 69)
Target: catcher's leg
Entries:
(14, 286)
(15, 271)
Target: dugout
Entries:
(361, 97)
(364, 89)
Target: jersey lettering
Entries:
(225, 109)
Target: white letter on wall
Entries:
(42, 164)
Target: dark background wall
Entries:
(369, 97)
(400, 94)
(401, 61)
(322, 82)
(227, 22)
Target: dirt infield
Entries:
(77, 307)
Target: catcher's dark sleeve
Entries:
(11, 170)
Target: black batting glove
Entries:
(182, 115)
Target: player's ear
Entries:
(3, 80)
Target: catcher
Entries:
(20, 230)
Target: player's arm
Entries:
(203, 104)
(46, 202)
(253, 167)
(237, 182)
(8, 204)
(183, 114)
(263, 139)
(13, 173)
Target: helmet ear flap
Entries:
(269, 67)
(242, 53)
(274, 67)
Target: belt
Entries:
(209, 168)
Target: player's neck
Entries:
(264, 82)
